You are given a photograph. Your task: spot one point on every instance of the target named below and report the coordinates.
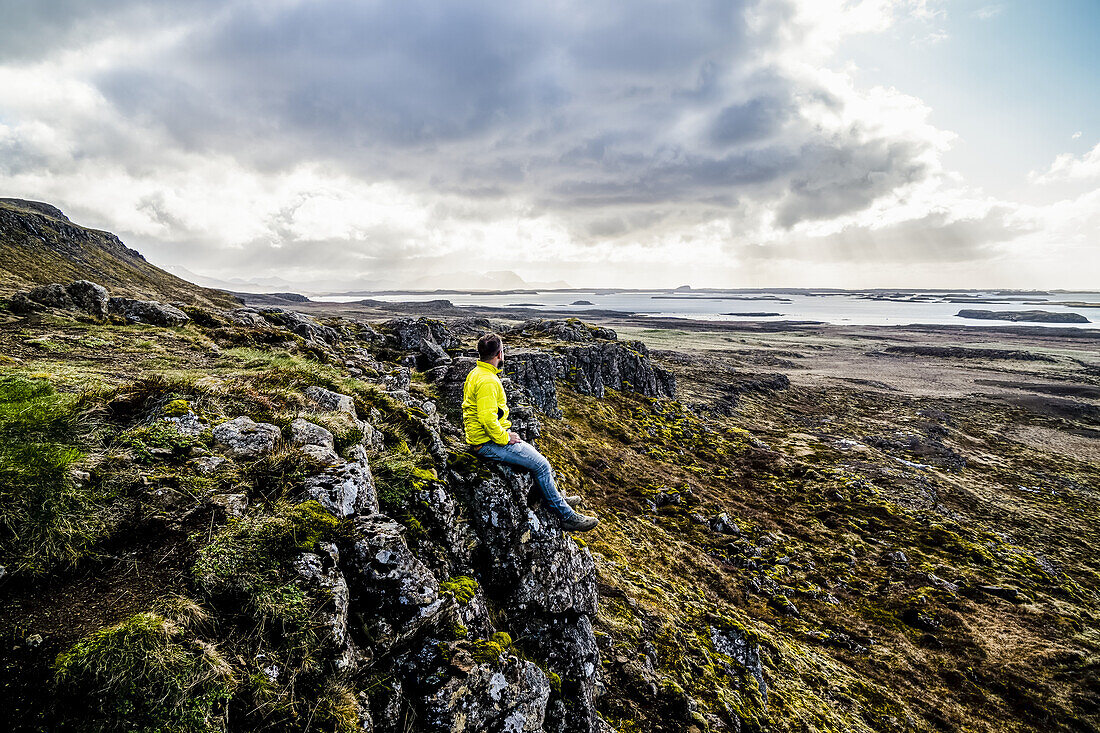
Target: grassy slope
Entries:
(39, 245)
(851, 641)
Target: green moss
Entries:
(503, 638)
(461, 587)
(143, 674)
(952, 542)
(48, 344)
(486, 652)
(176, 408)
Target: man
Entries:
(485, 415)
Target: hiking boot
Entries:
(579, 523)
(574, 501)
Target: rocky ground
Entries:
(264, 519)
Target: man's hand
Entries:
(514, 438)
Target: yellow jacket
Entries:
(484, 407)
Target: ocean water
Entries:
(862, 308)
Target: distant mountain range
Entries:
(497, 280)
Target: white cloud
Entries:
(988, 11)
(1068, 167)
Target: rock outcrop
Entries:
(418, 564)
(1031, 316)
(80, 295)
(345, 488)
(571, 329)
(407, 333)
(546, 583)
(589, 370)
(302, 325)
(149, 312)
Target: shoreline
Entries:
(443, 307)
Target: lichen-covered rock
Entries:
(535, 372)
(542, 580)
(470, 326)
(432, 354)
(247, 317)
(243, 438)
(622, 366)
(346, 488)
(322, 572)
(508, 695)
(331, 401)
(521, 412)
(54, 295)
(234, 505)
(207, 465)
(406, 333)
(589, 370)
(393, 594)
(81, 295)
(21, 305)
(451, 379)
(570, 329)
(742, 649)
(303, 432)
(149, 312)
(188, 424)
(442, 517)
(302, 325)
(542, 569)
(398, 379)
(567, 646)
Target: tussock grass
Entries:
(247, 565)
(398, 475)
(47, 519)
(144, 674)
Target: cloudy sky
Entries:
(738, 143)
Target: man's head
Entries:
(489, 347)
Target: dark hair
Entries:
(488, 346)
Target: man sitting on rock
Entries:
(485, 415)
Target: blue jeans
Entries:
(525, 455)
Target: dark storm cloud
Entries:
(749, 121)
(930, 239)
(33, 29)
(836, 179)
(631, 109)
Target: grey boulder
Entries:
(148, 312)
(330, 401)
(243, 438)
